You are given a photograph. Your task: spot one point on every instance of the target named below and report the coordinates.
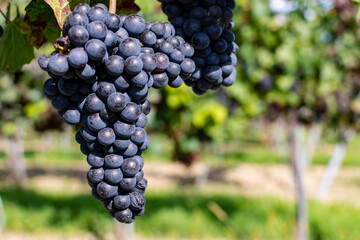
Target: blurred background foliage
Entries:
(298, 57)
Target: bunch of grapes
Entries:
(101, 71)
(206, 24)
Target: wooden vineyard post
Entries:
(298, 169)
(15, 151)
(124, 231)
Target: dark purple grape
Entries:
(106, 190)
(78, 36)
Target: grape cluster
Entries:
(101, 72)
(206, 24)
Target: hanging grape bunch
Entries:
(206, 24)
(101, 71)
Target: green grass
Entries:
(160, 150)
(184, 213)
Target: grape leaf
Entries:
(40, 23)
(61, 10)
(14, 48)
(127, 6)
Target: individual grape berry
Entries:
(142, 121)
(187, 49)
(197, 13)
(191, 26)
(160, 80)
(148, 38)
(106, 190)
(127, 184)
(131, 112)
(230, 80)
(116, 102)
(95, 175)
(200, 40)
(106, 136)
(133, 65)
(149, 61)
(78, 36)
(146, 107)
(138, 137)
(77, 58)
(177, 56)
(124, 216)
(60, 102)
(97, 13)
(105, 89)
(44, 61)
(58, 64)
(95, 123)
(220, 46)
(140, 80)
(113, 22)
(212, 73)
(96, 159)
(129, 47)
(95, 49)
(88, 135)
(173, 70)
(113, 176)
(68, 87)
(97, 30)
(50, 87)
(166, 47)
(113, 160)
(187, 66)
(162, 62)
(121, 83)
(137, 201)
(71, 116)
(77, 19)
(226, 13)
(122, 202)
(158, 28)
(121, 144)
(131, 150)
(88, 72)
(142, 184)
(139, 176)
(175, 82)
(82, 8)
(134, 24)
(93, 103)
(124, 130)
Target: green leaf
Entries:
(14, 48)
(40, 23)
(61, 10)
(127, 7)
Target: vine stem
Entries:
(112, 6)
(2, 13)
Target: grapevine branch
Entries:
(112, 6)
(2, 13)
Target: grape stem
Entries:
(2, 13)
(112, 6)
